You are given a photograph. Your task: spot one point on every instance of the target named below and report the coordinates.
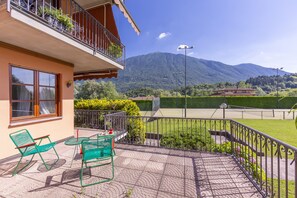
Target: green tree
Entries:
(91, 89)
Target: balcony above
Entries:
(65, 31)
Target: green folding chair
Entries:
(97, 150)
(28, 146)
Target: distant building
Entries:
(235, 92)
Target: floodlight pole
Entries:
(185, 47)
(277, 83)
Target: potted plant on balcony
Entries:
(115, 50)
(49, 14)
(57, 19)
(64, 21)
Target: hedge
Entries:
(240, 101)
(135, 126)
(144, 105)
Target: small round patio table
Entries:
(76, 142)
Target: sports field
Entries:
(277, 114)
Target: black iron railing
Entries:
(94, 119)
(69, 18)
(269, 163)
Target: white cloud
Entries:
(163, 35)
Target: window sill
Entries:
(35, 121)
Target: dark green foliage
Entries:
(144, 105)
(269, 83)
(222, 148)
(240, 101)
(186, 140)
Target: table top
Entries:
(75, 141)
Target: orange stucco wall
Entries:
(57, 129)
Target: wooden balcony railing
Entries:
(69, 18)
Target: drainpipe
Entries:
(104, 15)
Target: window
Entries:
(33, 93)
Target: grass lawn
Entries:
(283, 130)
(291, 188)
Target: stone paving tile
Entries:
(116, 189)
(149, 180)
(190, 188)
(155, 167)
(129, 176)
(177, 153)
(189, 161)
(143, 192)
(189, 173)
(172, 185)
(175, 160)
(174, 170)
(137, 164)
(168, 195)
(145, 171)
(159, 158)
(122, 161)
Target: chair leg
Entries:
(15, 170)
(81, 174)
(46, 166)
(106, 180)
(56, 154)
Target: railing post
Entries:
(8, 5)
(158, 136)
(105, 122)
(232, 136)
(295, 158)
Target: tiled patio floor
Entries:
(139, 172)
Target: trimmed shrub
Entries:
(144, 105)
(135, 126)
(240, 101)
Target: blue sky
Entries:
(262, 32)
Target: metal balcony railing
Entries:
(269, 163)
(69, 18)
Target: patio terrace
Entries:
(140, 171)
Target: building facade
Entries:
(44, 46)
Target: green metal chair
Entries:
(28, 146)
(113, 143)
(97, 150)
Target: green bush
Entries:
(222, 148)
(186, 140)
(144, 105)
(136, 129)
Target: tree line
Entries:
(263, 85)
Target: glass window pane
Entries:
(22, 109)
(23, 76)
(47, 79)
(47, 107)
(46, 93)
(20, 92)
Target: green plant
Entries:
(115, 50)
(247, 158)
(185, 140)
(129, 193)
(65, 20)
(222, 148)
(57, 14)
(136, 130)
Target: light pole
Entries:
(185, 47)
(277, 82)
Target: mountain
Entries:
(167, 71)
